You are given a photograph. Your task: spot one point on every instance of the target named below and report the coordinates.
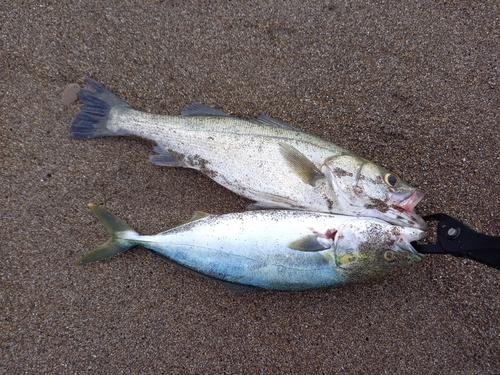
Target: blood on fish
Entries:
(329, 234)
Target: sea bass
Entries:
(273, 249)
(262, 159)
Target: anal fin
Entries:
(164, 159)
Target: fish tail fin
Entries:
(118, 243)
(92, 121)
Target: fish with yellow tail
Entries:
(262, 159)
(273, 249)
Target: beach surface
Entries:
(413, 86)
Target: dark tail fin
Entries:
(92, 121)
(116, 244)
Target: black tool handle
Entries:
(459, 240)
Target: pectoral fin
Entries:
(308, 243)
(301, 165)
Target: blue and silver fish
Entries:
(263, 159)
(275, 249)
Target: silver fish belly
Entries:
(262, 159)
(275, 250)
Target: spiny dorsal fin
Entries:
(198, 109)
(302, 166)
(308, 243)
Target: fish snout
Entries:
(404, 239)
(406, 247)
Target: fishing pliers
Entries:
(457, 239)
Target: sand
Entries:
(413, 86)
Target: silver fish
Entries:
(262, 159)
(273, 249)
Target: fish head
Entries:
(364, 188)
(368, 248)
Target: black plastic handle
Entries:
(459, 240)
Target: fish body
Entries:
(274, 249)
(262, 159)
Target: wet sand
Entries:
(414, 87)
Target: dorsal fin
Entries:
(198, 109)
(197, 215)
(266, 120)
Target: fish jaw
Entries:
(402, 207)
(407, 201)
(398, 216)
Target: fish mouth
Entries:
(407, 201)
(407, 239)
(406, 246)
(402, 208)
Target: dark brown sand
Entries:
(413, 86)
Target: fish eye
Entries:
(391, 179)
(389, 255)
